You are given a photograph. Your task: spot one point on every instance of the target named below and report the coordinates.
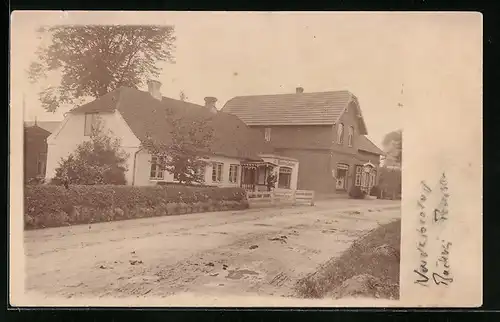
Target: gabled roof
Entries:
(364, 144)
(146, 117)
(50, 126)
(319, 108)
(35, 130)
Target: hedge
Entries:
(54, 206)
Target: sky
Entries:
(382, 58)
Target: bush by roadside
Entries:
(370, 268)
(53, 206)
(356, 193)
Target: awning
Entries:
(256, 164)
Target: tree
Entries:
(97, 161)
(95, 60)
(390, 182)
(393, 145)
(185, 157)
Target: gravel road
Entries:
(254, 252)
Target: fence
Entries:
(281, 196)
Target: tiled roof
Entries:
(319, 108)
(50, 126)
(364, 144)
(36, 130)
(146, 117)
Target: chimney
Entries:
(154, 89)
(210, 104)
(299, 90)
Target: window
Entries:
(233, 173)
(359, 170)
(267, 134)
(340, 134)
(217, 172)
(90, 123)
(350, 137)
(156, 172)
(42, 159)
(284, 177)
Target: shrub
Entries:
(98, 161)
(375, 191)
(172, 208)
(35, 180)
(52, 205)
(183, 208)
(356, 193)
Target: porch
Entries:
(255, 174)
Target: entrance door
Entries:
(341, 176)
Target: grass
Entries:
(360, 258)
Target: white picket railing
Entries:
(281, 196)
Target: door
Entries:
(341, 177)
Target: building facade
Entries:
(325, 132)
(239, 156)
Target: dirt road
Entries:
(254, 252)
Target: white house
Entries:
(240, 155)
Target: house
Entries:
(49, 126)
(35, 147)
(324, 131)
(239, 155)
(35, 151)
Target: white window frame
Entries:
(159, 173)
(340, 133)
(267, 134)
(90, 123)
(350, 136)
(233, 173)
(217, 169)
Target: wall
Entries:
(352, 161)
(314, 173)
(143, 167)
(316, 167)
(349, 118)
(66, 139)
(301, 136)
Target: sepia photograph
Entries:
(226, 156)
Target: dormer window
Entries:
(90, 123)
(267, 134)
(350, 136)
(340, 134)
